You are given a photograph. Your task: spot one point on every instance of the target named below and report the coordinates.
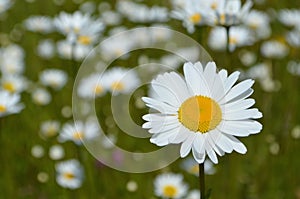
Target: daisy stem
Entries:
(201, 181)
(228, 39)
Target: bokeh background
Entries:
(270, 168)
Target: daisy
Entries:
(231, 13)
(46, 49)
(41, 96)
(203, 111)
(40, 24)
(293, 38)
(170, 185)
(56, 152)
(259, 22)
(91, 87)
(194, 194)
(12, 60)
(54, 78)
(13, 83)
(79, 132)
(49, 128)
(274, 49)
(67, 51)
(238, 37)
(5, 5)
(193, 13)
(289, 17)
(9, 103)
(120, 80)
(69, 174)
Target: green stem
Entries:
(202, 181)
(228, 39)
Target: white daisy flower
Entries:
(13, 83)
(79, 132)
(204, 111)
(54, 78)
(170, 185)
(238, 37)
(289, 17)
(41, 96)
(120, 80)
(46, 49)
(49, 128)
(79, 28)
(69, 174)
(259, 22)
(40, 24)
(293, 38)
(68, 51)
(274, 49)
(194, 13)
(231, 13)
(5, 5)
(56, 152)
(111, 18)
(37, 151)
(12, 60)
(9, 103)
(91, 87)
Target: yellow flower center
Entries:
(117, 86)
(233, 40)
(69, 175)
(78, 135)
(214, 5)
(170, 191)
(196, 18)
(2, 108)
(51, 131)
(222, 19)
(98, 89)
(9, 86)
(200, 114)
(85, 40)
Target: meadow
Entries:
(31, 150)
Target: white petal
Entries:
(187, 145)
(198, 144)
(237, 145)
(239, 105)
(224, 143)
(230, 81)
(241, 128)
(181, 136)
(239, 89)
(243, 114)
(198, 156)
(179, 85)
(164, 128)
(223, 75)
(210, 74)
(195, 80)
(162, 139)
(212, 156)
(160, 106)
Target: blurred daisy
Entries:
(9, 103)
(120, 80)
(67, 51)
(37, 151)
(12, 60)
(231, 13)
(54, 78)
(111, 18)
(293, 37)
(204, 111)
(91, 87)
(79, 28)
(170, 185)
(46, 49)
(79, 132)
(41, 96)
(56, 152)
(40, 24)
(238, 37)
(69, 174)
(49, 128)
(259, 22)
(194, 13)
(289, 17)
(274, 49)
(142, 14)
(192, 167)
(5, 5)
(13, 83)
